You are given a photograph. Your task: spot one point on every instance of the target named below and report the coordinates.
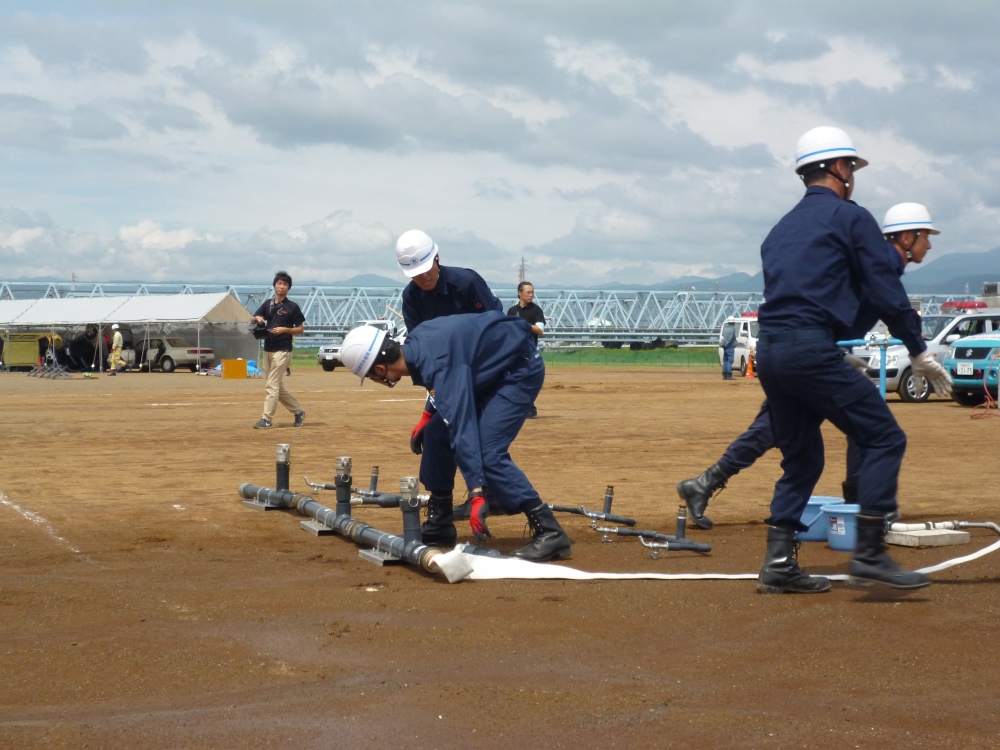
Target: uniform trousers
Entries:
(500, 412)
(275, 364)
(807, 382)
(116, 358)
(727, 359)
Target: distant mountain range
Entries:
(948, 274)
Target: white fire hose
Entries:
(487, 567)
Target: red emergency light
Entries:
(753, 314)
(975, 305)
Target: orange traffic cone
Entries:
(749, 367)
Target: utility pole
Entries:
(520, 272)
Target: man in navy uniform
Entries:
(822, 263)
(437, 291)
(907, 228)
(484, 372)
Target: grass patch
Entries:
(600, 357)
(590, 357)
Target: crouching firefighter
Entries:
(484, 374)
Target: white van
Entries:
(747, 331)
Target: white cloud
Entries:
(149, 235)
(515, 100)
(848, 59)
(951, 79)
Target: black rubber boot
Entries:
(781, 573)
(550, 541)
(464, 511)
(871, 563)
(850, 492)
(439, 528)
(698, 491)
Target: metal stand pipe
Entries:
(373, 482)
(609, 498)
(343, 485)
(283, 466)
(409, 503)
(682, 519)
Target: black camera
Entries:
(259, 330)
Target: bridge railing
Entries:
(574, 315)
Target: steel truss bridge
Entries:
(574, 315)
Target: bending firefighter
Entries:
(483, 372)
(436, 291)
(906, 227)
(823, 263)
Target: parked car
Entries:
(973, 363)
(940, 332)
(747, 331)
(328, 355)
(168, 353)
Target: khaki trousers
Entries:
(116, 358)
(275, 364)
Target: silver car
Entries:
(939, 331)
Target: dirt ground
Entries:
(142, 606)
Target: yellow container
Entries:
(234, 369)
(25, 349)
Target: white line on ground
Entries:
(400, 399)
(37, 519)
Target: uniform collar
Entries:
(896, 260)
(821, 190)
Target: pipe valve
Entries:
(343, 464)
(283, 453)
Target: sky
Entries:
(628, 142)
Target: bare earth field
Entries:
(142, 606)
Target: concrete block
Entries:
(927, 538)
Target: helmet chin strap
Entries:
(847, 184)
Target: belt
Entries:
(804, 334)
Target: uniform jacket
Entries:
(822, 261)
(458, 291)
(460, 359)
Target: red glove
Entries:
(417, 436)
(477, 517)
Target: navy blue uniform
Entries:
(759, 438)
(822, 262)
(484, 373)
(458, 291)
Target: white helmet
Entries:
(415, 252)
(906, 216)
(114, 327)
(824, 144)
(360, 348)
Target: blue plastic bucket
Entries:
(812, 516)
(841, 526)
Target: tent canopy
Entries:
(220, 308)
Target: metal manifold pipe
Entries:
(406, 548)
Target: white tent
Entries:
(10, 309)
(165, 312)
